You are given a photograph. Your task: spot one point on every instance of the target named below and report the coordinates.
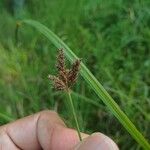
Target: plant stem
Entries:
(18, 24)
(74, 115)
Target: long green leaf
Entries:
(93, 82)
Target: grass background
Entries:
(112, 37)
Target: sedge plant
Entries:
(64, 80)
(94, 83)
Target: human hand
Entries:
(45, 130)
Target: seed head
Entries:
(58, 84)
(66, 77)
(60, 65)
(73, 73)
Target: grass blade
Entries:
(6, 118)
(96, 86)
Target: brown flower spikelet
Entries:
(61, 66)
(65, 78)
(73, 73)
(61, 61)
(58, 84)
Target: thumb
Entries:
(97, 141)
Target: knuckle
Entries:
(3, 135)
(2, 130)
(46, 113)
(50, 117)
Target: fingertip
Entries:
(97, 141)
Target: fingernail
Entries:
(97, 141)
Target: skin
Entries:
(45, 130)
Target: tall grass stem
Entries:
(74, 114)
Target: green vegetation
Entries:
(112, 37)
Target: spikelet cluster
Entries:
(65, 77)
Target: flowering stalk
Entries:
(74, 114)
(65, 80)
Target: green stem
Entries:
(18, 24)
(74, 115)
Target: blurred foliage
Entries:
(112, 37)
